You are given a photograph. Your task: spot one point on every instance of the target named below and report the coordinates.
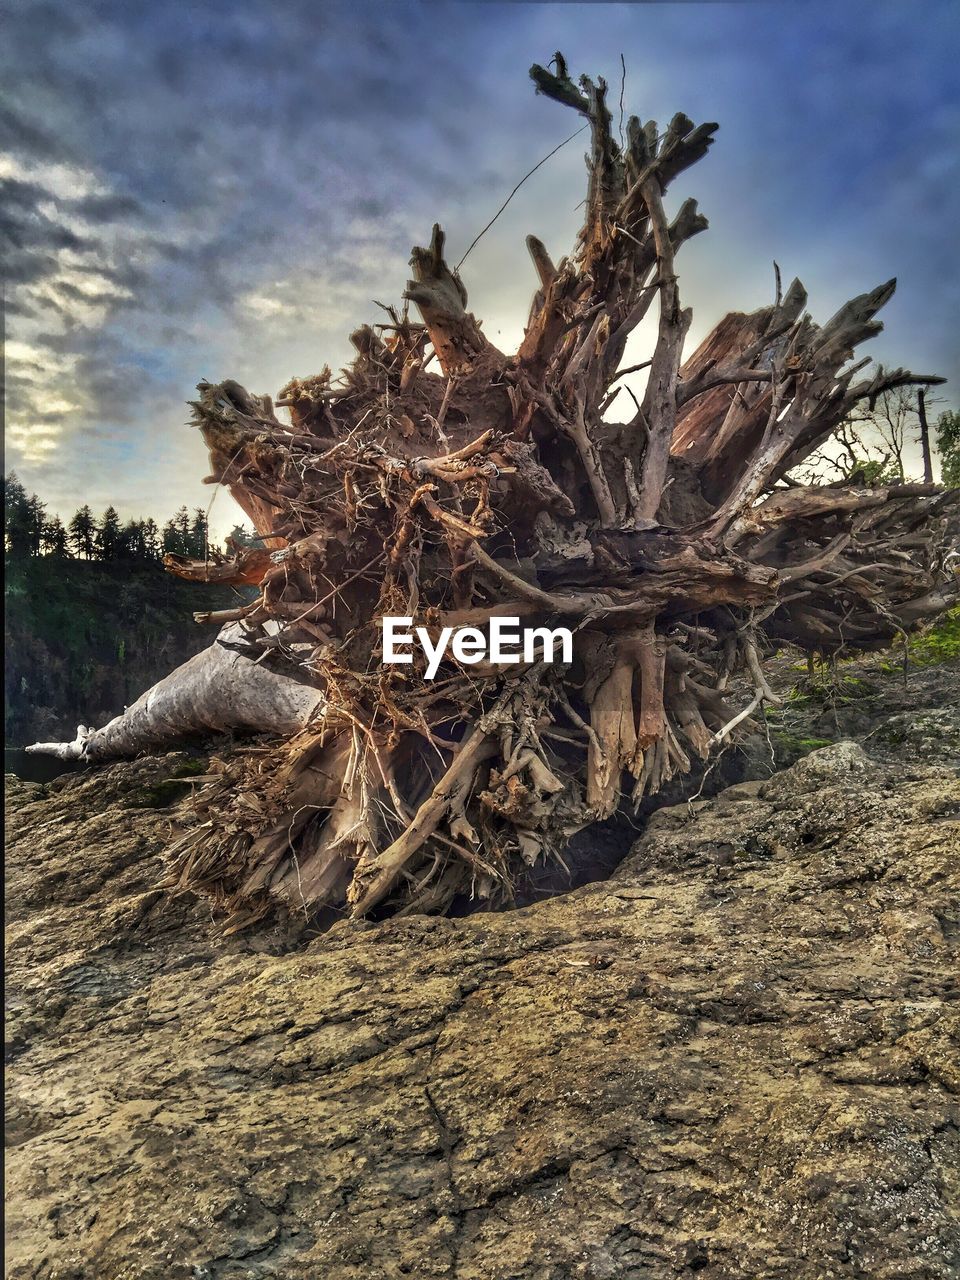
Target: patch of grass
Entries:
(804, 745)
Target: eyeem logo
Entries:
(506, 642)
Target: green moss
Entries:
(830, 687)
(798, 745)
(160, 796)
(167, 791)
(191, 767)
(937, 644)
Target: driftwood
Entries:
(676, 545)
(216, 691)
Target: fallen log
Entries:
(216, 691)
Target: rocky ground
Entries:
(737, 1057)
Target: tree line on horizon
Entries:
(869, 449)
(30, 531)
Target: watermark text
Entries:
(503, 643)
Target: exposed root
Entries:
(676, 546)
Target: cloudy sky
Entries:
(217, 189)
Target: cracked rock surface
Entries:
(736, 1058)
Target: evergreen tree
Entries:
(130, 542)
(29, 532)
(13, 490)
(55, 539)
(16, 517)
(178, 534)
(172, 540)
(241, 536)
(181, 523)
(152, 540)
(36, 521)
(82, 533)
(108, 535)
(198, 534)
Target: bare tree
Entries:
(885, 429)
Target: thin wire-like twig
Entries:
(482, 233)
(623, 85)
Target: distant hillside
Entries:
(84, 639)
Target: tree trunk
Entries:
(924, 436)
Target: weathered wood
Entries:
(441, 299)
(246, 567)
(216, 691)
(678, 546)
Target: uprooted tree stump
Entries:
(676, 545)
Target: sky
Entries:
(214, 190)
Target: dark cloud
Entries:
(22, 197)
(21, 136)
(39, 233)
(18, 395)
(25, 268)
(109, 301)
(80, 340)
(32, 240)
(123, 274)
(19, 307)
(105, 208)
